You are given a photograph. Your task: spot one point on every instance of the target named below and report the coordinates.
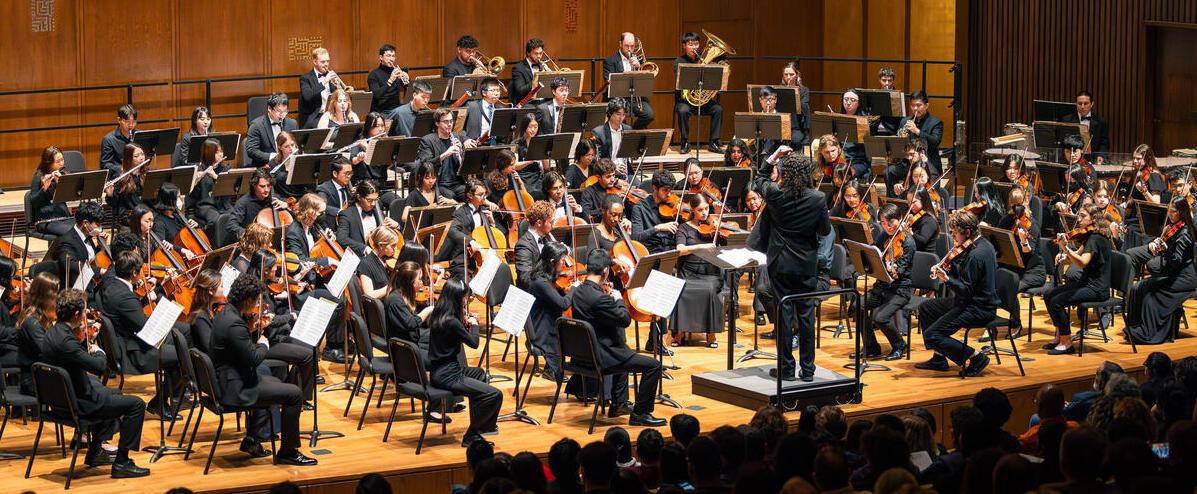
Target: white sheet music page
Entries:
(741, 257)
(86, 273)
(345, 270)
(228, 274)
(313, 320)
(161, 320)
(514, 311)
(481, 280)
(660, 293)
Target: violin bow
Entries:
(719, 220)
(282, 243)
(639, 161)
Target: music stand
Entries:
(1053, 178)
(433, 234)
(505, 120)
(182, 177)
(577, 235)
(553, 146)
(80, 186)
(1052, 134)
(889, 148)
(628, 84)
(157, 141)
(582, 117)
(867, 261)
(1052, 111)
(896, 201)
(664, 262)
(311, 140)
(361, 99)
(311, 169)
(854, 230)
(468, 82)
(700, 77)
(1152, 218)
(347, 133)
(1068, 220)
(1005, 243)
(229, 143)
(389, 151)
(480, 159)
(883, 102)
(232, 183)
(573, 78)
(423, 124)
(638, 143)
(788, 98)
(737, 177)
(729, 271)
(772, 126)
(439, 85)
(216, 258)
(846, 128)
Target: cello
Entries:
(192, 239)
(630, 252)
(516, 201)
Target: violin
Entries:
(1023, 225)
(860, 212)
(625, 190)
(674, 208)
(1076, 233)
(432, 288)
(946, 264)
(192, 239)
(91, 327)
(327, 247)
(975, 207)
(708, 190)
(706, 229)
(894, 251)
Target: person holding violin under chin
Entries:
(261, 196)
(552, 300)
(466, 218)
(1095, 247)
(1155, 302)
(557, 194)
(700, 307)
(655, 219)
(883, 299)
(375, 269)
(592, 195)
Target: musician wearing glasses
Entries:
(684, 110)
(260, 138)
(114, 142)
(445, 147)
(627, 60)
(462, 64)
(386, 82)
(551, 110)
(480, 112)
(523, 71)
(854, 152)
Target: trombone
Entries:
(548, 65)
(492, 65)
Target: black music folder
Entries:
(310, 140)
(157, 141)
(80, 186)
(229, 143)
(553, 146)
(182, 177)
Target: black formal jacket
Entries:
(612, 65)
(31, 342)
(431, 148)
(457, 238)
(63, 349)
(526, 255)
(332, 200)
(1099, 131)
(931, 129)
(925, 231)
(521, 83)
(973, 279)
(124, 309)
(609, 317)
(235, 356)
(793, 230)
(309, 99)
(350, 233)
(386, 93)
(41, 201)
(259, 139)
(297, 243)
(70, 246)
(455, 68)
(602, 136)
(201, 331)
(179, 156)
(645, 216)
(681, 59)
(544, 116)
(474, 117)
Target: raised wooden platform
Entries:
(343, 460)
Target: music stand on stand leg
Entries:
(763, 126)
(700, 77)
(663, 262)
(867, 261)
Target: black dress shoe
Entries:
(616, 409)
(975, 365)
(807, 378)
(319, 379)
(1049, 346)
(471, 438)
(937, 363)
(254, 448)
(760, 320)
(769, 335)
(646, 420)
(97, 457)
(788, 377)
(685, 149)
(126, 469)
(444, 419)
(868, 354)
(896, 354)
(457, 408)
(294, 458)
(307, 406)
(714, 147)
(1067, 351)
(334, 355)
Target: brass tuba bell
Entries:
(715, 48)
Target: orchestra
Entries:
(421, 230)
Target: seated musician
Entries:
(260, 197)
(407, 317)
(1148, 185)
(988, 205)
(606, 231)
(36, 317)
(49, 216)
(112, 147)
(360, 218)
(480, 112)
(771, 149)
(140, 224)
(924, 219)
(387, 81)
(1179, 185)
(607, 314)
(373, 271)
(1026, 230)
(530, 170)
(1155, 302)
(80, 245)
(445, 147)
(551, 301)
(403, 118)
(1075, 194)
(462, 63)
(499, 182)
(554, 190)
(1103, 197)
(700, 307)
(649, 227)
(125, 309)
(970, 273)
(66, 344)
(1012, 169)
(592, 196)
(466, 218)
(852, 204)
(337, 112)
(609, 135)
(799, 122)
(262, 132)
(580, 170)
(550, 111)
(212, 164)
(209, 299)
(923, 125)
(336, 192)
(683, 108)
(829, 157)
(423, 193)
(897, 174)
(1074, 153)
(736, 154)
(698, 184)
(451, 325)
(626, 60)
(125, 194)
(237, 350)
(1093, 256)
(883, 299)
(256, 237)
(375, 125)
(523, 71)
(285, 299)
(201, 125)
(303, 233)
(169, 221)
(540, 218)
(854, 152)
(288, 149)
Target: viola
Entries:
(625, 190)
(894, 251)
(674, 208)
(706, 229)
(975, 207)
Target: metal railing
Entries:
(954, 67)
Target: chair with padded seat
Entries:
(579, 344)
(368, 364)
(414, 382)
(1007, 288)
(209, 399)
(1122, 275)
(58, 405)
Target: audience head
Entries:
(731, 447)
(795, 456)
(563, 459)
(621, 442)
(831, 469)
(978, 471)
(1014, 474)
(1081, 452)
(673, 464)
(1050, 401)
(597, 461)
(894, 480)
(684, 428)
(771, 422)
(648, 446)
(855, 430)
(373, 483)
(994, 405)
(832, 420)
(704, 460)
(528, 472)
(490, 468)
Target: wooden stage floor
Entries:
(441, 463)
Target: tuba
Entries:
(715, 48)
(492, 65)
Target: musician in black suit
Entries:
(260, 138)
(79, 246)
(523, 71)
(403, 118)
(462, 64)
(625, 60)
(445, 147)
(337, 192)
(480, 112)
(301, 235)
(550, 111)
(66, 345)
(609, 134)
(610, 318)
(261, 196)
(921, 123)
(527, 249)
(113, 145)
(360, 218)
(386, 81)
(685, 110)
(236, 355)
(884, 299)
(798, 218)
(1099, 129)
(315, 87)
(466, 218)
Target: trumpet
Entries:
(493, 65)
(336, 81)
(547, 64)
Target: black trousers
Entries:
(883, 301)
(685, 110)
(895, 174)
(129, 411)
(646, 392)
(799, 316)
(302, 360)
(763, 300)
(60, 227)
(485, 400)
(1059, 299)
(271, 391)
(206, 215)
(643, 113)
(940, 318)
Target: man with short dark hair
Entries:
(685, 110)
(445, 147)
(462, 64)
(550, 112)
(1082, 452)
(112, 147)
(337, 192)
(831, 471)
(886, 77)
(1099, 129)
(597, 461)
(884, 299)
(563, 464)
(704, 465)
(260, 196)
(523, 71)
(684, 428)
(386, 82)
(897, 172)
(921, 123)
(403, 118)
(79, 246)
(625, 60)
(263, 131)
(481, 111)
(609, 135)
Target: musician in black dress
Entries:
(37, 316)
(1103, 198)
(1155, 303)
(1093, 257)
(50, 217)
(885, 299)
(550, 302)
(168, 221)
(372, 271)
(530, 170)
(374, 125)
(971, 275)
(452, 326)
(201, 125)
(700, 307)
(606, 231)
(580, 170)
(1146, 185)
(1070, 200)
(125, 194)
(423, 193)
(1026, 230)
(924, 219)
(212, 164)
(989, 202)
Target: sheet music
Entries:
(481, 281)
(345, 270)
(86, 273)
(660, 293)
(228, 274)
(160, 322)
(742, 257)
(313, 320)
(514, 311)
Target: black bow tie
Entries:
(276, 124)
(1084, 119)
(543, 240)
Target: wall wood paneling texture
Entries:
(100, 42)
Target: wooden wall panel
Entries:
(647, 25)
(207, 52)
(887, 37)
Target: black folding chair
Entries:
(110, 344)
(1122, 275)
(920, 280)
(11, 398)
(845, 276)
(1047, 252)
(578, 343)
(414, 382)
(209, 398)
(57, 405)
(374, 320)
(375, 366)
(1007, 287)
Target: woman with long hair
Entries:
(375, 125)
(209, 292)
(287, 147)
(373, 272)
(1026, 230)
(700, 308)
(1103, 198)
(530, 170)
(255, 238)
(1155, 303)
(338, 112)
(51, 217)
(924, 219)
(35, 319)
(125, 194)
(855, 152)
(549, 304)
(141, 224)
(168, 222)
(212, 164)
(1147, 185)
(423, 192)
(578, 171)
(989, 204)
(1092, 257)
(451, 326)
(201, 125)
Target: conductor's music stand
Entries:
(700, 77)
(182, 177)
